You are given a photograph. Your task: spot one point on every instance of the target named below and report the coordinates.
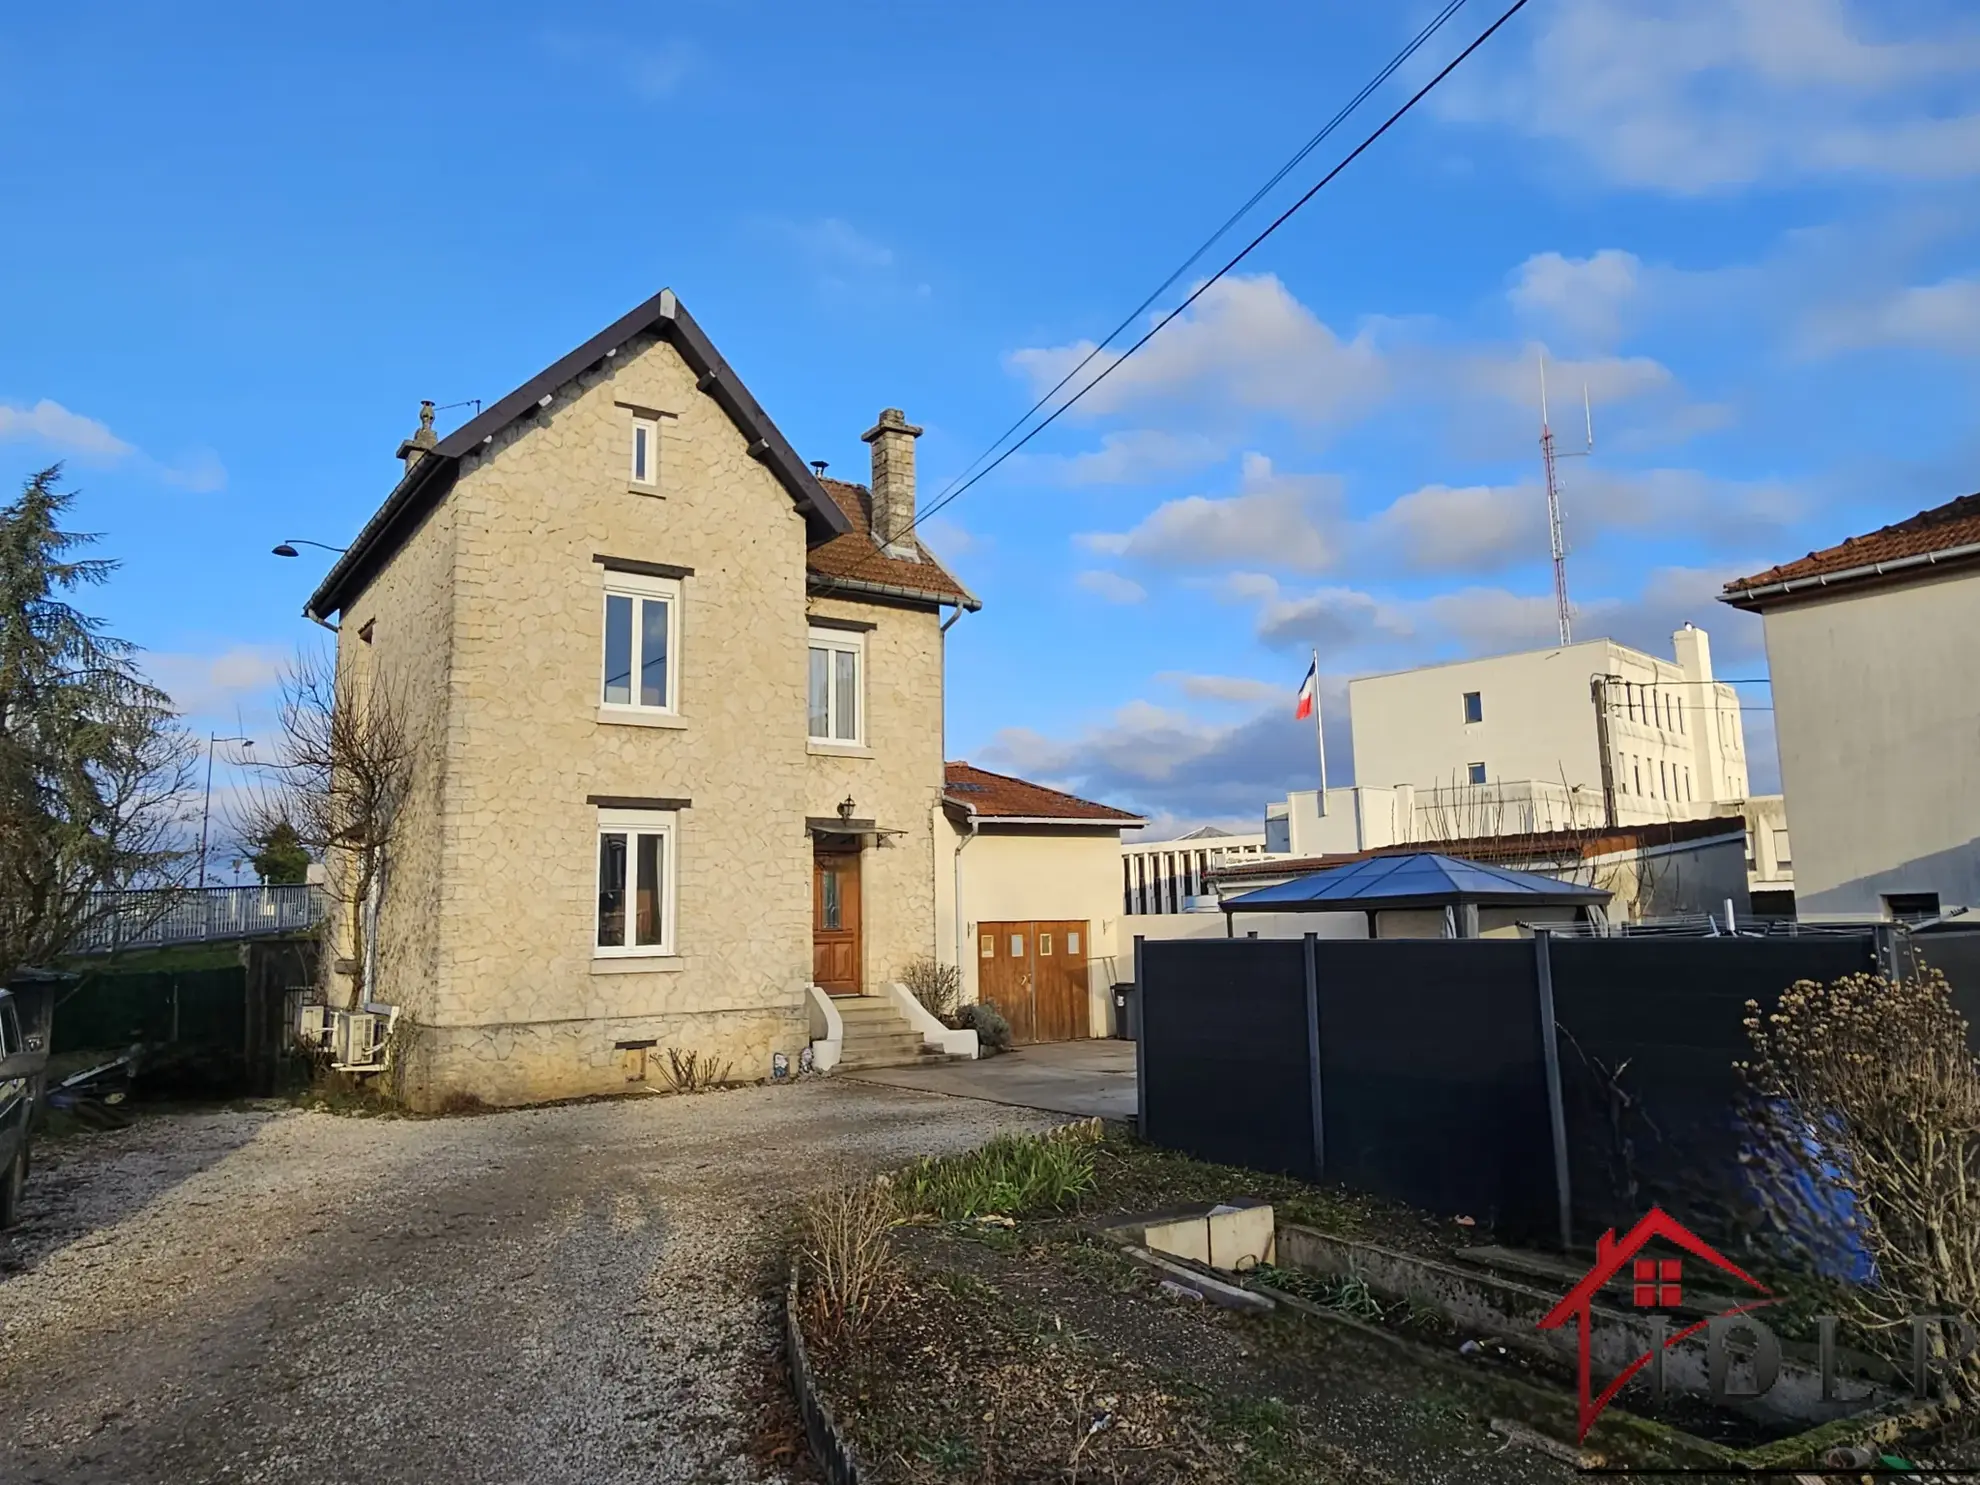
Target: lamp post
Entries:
(288, 548)
(206, 810)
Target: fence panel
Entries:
(1433, 1084)
(1957, 957)
(1224, 1064)
(1650, 1029)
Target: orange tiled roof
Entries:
(856, 558)
(999, 796)
(1954, 524)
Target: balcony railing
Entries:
(143, 919)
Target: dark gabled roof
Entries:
(426, 484)
(1948, 533)
(996, 796)
(855, 564)
(1423, 879)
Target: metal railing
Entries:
(139, 919)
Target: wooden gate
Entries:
(1036, 974)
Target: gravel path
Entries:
(545, 1295)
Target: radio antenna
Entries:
(1549, 459)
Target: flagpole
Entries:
(1319, 733)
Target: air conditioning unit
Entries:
(357, 1040)
(312, 1025)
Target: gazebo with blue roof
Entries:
(1419, 880)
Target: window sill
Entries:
(630, 716)
(634, 487)
(836, 749)
(638, 964)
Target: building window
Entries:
(1911, 907)
(635, 883)
(642, 630)
(1044, 943)
(1688, 796)
(1679, 704)
(986, 946)
(1636, 773)
(838, 661)
(1629, 696)
(645, 451)
(1663, 781)
(1072, 941)
(1474, 707)
(1476, 771)
(1783, 853)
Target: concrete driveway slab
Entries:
(1087, 1079)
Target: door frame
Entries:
(825, 848)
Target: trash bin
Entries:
(1127, 1016)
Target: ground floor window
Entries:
(635, 882)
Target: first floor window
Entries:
(635, 883)
(836, 704)
(1474, 707)
(642, 621)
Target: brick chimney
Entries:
(421, 443)
(893, 481)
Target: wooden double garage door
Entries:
(1036, 974)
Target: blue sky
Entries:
(246, 241)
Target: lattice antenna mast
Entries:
(1557, 543)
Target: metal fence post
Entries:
(1550, 1051)
(1313, 1055)
(1140, 1039)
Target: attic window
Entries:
(645, 463)
(365, 633)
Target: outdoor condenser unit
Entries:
(311, 1027)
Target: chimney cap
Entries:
(892, 420)
(425, 439)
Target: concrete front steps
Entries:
(878, 1035)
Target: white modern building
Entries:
(1162, 876)
(1871, 647)
(1605, 732)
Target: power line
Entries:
(1416, 42)
(1277, 222)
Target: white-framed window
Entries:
(643, 464)
(636, 872)
(837, 686)
(1474, 706)
(1475, 772)
(640, 657)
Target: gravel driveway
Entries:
(566, 1294)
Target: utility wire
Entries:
(1347, 109)
(1277, 222)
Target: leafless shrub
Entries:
(846, 1250)
(1867, 1101)
(936, 985)
(340, 778)
(691, 1072)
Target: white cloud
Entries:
(1110, 586)
(217, 685)
(1332, 620)
(1939, 317)
(1472, 528)
(1239, 689)
(947, 538)
(653, 71)
(63, 432)
(1130, 457)
(1278, 521)
(835, 240)
(1690, 96)
(1585, 298)
(1246, 345)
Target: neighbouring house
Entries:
(1870, 644)
(1033, 904)
(677, 706)
(1680, 868)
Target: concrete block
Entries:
(1186, 1237)
(1240, 1236)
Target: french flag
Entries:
(1307, 688)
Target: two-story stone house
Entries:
(678, 708)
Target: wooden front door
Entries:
(835, 946)
(1035, 973)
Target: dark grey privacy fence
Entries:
(1551, 1087)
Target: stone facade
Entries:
(490, 615)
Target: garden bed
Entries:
(1034, 1348)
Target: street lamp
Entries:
(206, 810)
(288, 548)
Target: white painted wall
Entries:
(1877, 706)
